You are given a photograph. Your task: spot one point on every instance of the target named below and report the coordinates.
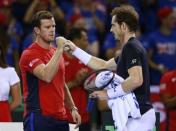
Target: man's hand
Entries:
(69, 46)
(60, 41)
(76, 117)
(102, 95)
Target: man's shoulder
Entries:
(168, 74)
(31, 50)
(166, 77)
(28, 54)
(131, 45)
(135, 44)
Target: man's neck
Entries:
(126, 37)
(43, 44)
(165, 30)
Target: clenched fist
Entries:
(60, 41)
(69, 46)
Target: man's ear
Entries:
(36, 30)
(124, 26)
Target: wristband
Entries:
(82, 55)
(115, 91)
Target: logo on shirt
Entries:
(33, 62)
(133, 61)
(174, 79)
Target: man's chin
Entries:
(51, 41)
(116, 37)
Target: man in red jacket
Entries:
(75, 73)
(43, 75)
(168, 96)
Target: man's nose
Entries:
(111, 30)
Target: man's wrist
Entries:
(59, 51)
(115, 92)
(74, 108)
(82, 55)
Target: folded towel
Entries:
(122, 108)
(124, 105)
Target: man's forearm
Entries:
(89, 60)
(96, 63)
(68, 99)
(127, 86)
(52, 66)
(71, 84)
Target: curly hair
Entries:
(128, 15)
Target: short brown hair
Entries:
(2, 57)
(4, 42)
(128, 15)
(36, 20)
(75, 33)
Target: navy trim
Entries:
(32, 121)
(167, 120)
(33, 103)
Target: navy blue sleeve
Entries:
(131, 56)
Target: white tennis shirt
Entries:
(8, 78)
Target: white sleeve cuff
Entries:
(82, 55)
(114, 92)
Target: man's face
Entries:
(170, 21)
(47, 30)
(115, 28)
(84, 40)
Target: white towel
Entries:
(122, 108)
